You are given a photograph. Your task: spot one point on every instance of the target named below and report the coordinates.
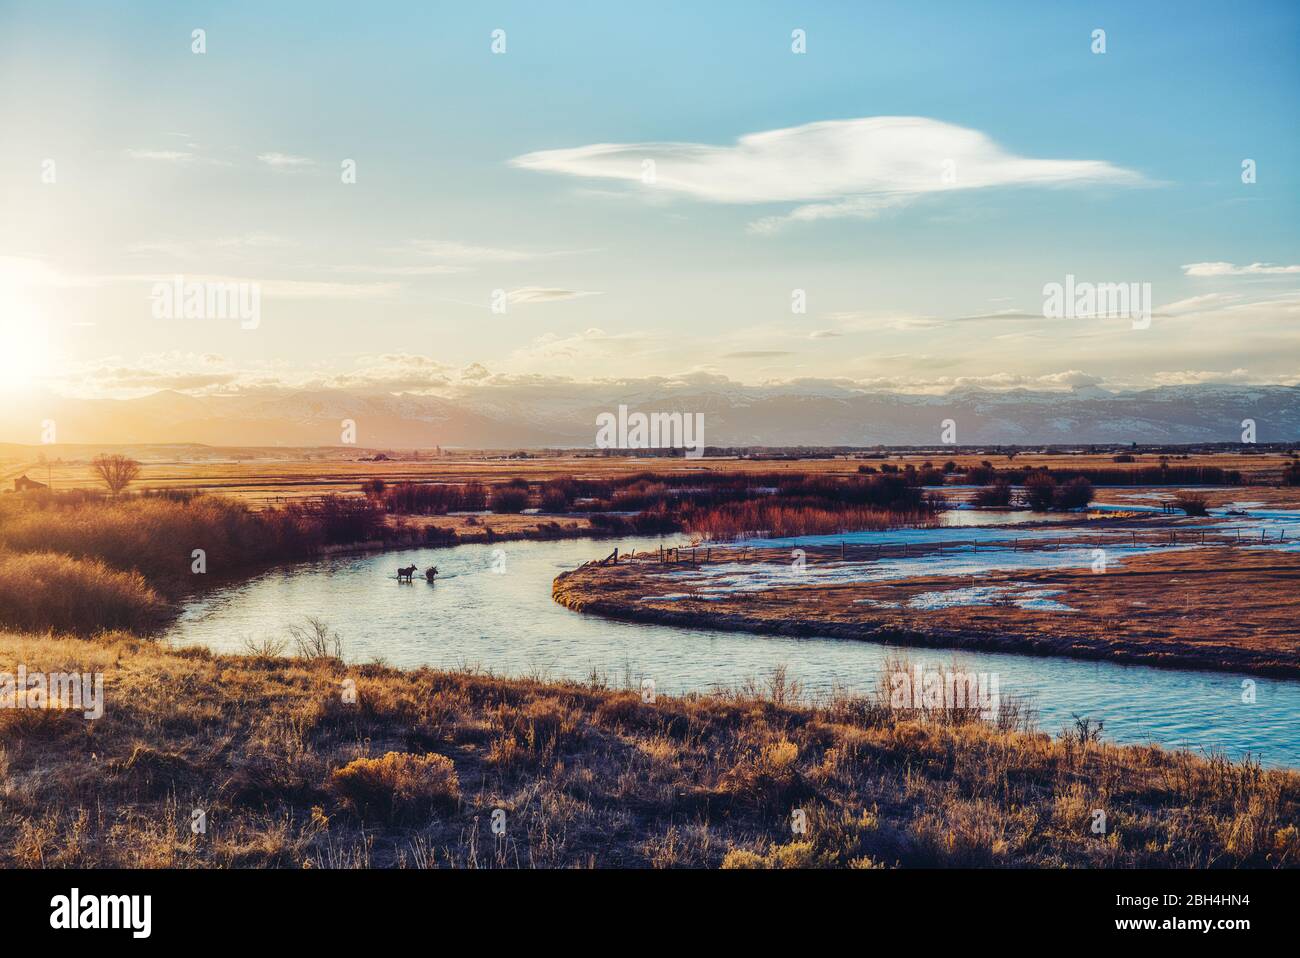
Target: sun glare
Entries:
(24, 342)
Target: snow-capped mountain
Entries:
(734, 415)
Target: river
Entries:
(491, 609)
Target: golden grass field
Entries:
(290, 774)
(275, 479)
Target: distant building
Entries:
(22, 484)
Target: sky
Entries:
(651, 191)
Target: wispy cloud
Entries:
(835, 168)
(163, 156)
(191, 155)
(285, 161)
(453, 251)
(431, 269)
(1230, 269)
(538, 294)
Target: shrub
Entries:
(1074, 494)
(314, 639)
(155, 535)
(791, 855)
(554, 500)
(1040, 489)
(996, 495)
(770, 779)
(433, 498)
(342, 520)
(508, 499)
(49, 590)
(1193, 504)
(737, 519)
(400, 786)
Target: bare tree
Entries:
(116, 472)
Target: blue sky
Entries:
(226, 165)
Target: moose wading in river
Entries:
(405, 573)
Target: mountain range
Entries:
(734, 415)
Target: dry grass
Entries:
(46, 590)
(276, 475)
(152, 535)
(306, 762)
(410, 772)
(398, 787)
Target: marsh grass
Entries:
(81, 563)
(409, 774)
(48, 590)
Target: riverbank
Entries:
(80, 563)
(308, 762)
(1224, 608)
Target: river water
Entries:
(491, 609)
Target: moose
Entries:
(405, 572)
(431, 573)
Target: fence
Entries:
(864, 552)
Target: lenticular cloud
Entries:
(839, 167)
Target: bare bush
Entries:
(314, 639)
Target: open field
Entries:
(273, 478)
(289, 773)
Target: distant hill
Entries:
(734, 415)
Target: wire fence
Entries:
(845, 551)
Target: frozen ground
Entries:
(1020, 594)
(992, 551)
